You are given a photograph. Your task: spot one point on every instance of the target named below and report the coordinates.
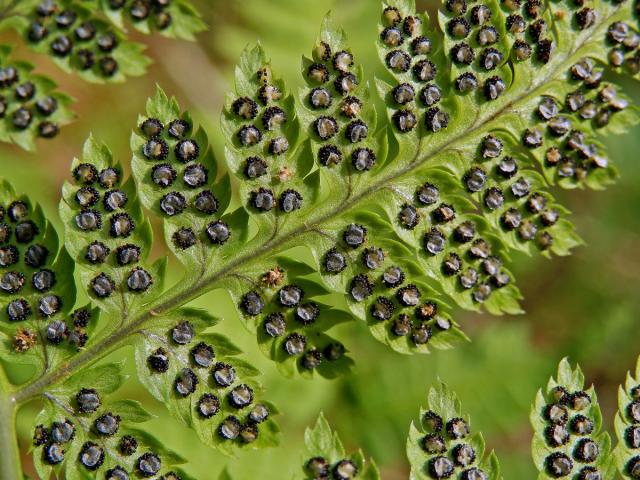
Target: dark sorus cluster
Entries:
(572, 153)
(23, 260)
(102, 215)
(74, 331)
(505, 187)
(156, 13)
(624, 43)
(530, 32)
(383, 287)
(54, 440)
(475, 48)
(573, 452)
(24, 104)
(291, 321)
(219, 393)
(68, 31)
(182, 182)
(319, 468)
(28, 276)
(262, 124)
(455, 242)
(325, 457)
(103, 442)
(406, 50)
(337, 114)
(450, 450)
(593, 100)
(630, 415)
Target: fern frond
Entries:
(394, 219)
(442, 445)
(81, 42)
(95, 46)
(341, 219)
(176, 19)
(87, 38)
(567, 425)
(108, 236)
(182, 171)
(198, 376)
(493, 138)
(33, 108)
(627, 426)
(339, 120)
(80, 430)
(110, 240)
(37, 287)
(325, 456)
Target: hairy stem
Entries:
(184, 292)
(10, 467)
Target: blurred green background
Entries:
(586, 307)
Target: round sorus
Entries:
(107, 424)
(208, 405)
(186, 382)
(218, 232)
(202, 355)
(148, 465)
(158, 361)
(53, 454)
(558, 465)
(440, 467)
(127, 445)
(345, 470)
(295, 344)
(457, 428)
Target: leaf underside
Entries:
(88, 38)
(393, 219)
(567, 423)
(627, 426)
(325, 454)
(81, 433)
(30, 104)
(403, 221)
(442, 442)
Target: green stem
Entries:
(10, 466)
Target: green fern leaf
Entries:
(567, 424)
(448, 233)
(108, 236)
(626, 423)
(341, 220)
(192, 230)
(201, 239)
(199, 378)
(34, 109)
(177, 19)
(37, 287)
(364, 240)
(442, 445)
(276, 186)
(78, 41)
(527, 217)
(80, 430)
(325, 455)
